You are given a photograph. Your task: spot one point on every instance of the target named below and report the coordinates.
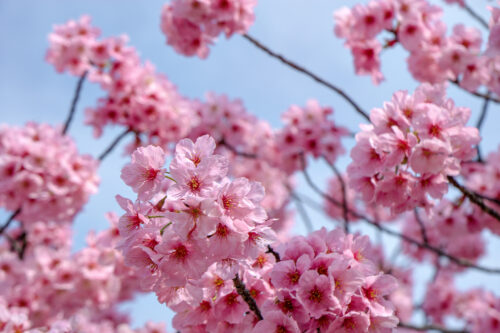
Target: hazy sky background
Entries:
(30, 89)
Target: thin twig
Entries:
(484, 110)
(245, 294)
(23, 239)
(302, 211)
(76, 95)
(308, 73)
(476, 93)
(423, 231)
(458, 261)
(224, 143)
(9, 220)
(113, 144)
(274, 253)
(480, 121)
(431, 328)
(475, 199)
(476, 16)
(482, 196)
(344, 196)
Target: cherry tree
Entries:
(214, 190)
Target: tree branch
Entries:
(431, 328)
(423, 231)
(245, 294)
(224, 143)
(302, 211)
(475, 199)
(9, 220)
(113, 144)
(308, 73)
(274, 253)
(480, 121)
(74, 102)
(439, 252)
(476, 16)
(476, 93)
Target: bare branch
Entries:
(475, 199)
(422, 226)
(476, 93)
(9, 220)
(245, 294)
(308, 73)
(480, 121)
(274, 253)
(113, 144)
(438, 251)
(72, 109)
(476, 16)
(302, 211)
(224, 143)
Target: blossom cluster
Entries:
(51, 289)
(149, 105)
(480, 309)
(188, 218)
(413, 143)
(308, 131)
(339, 190)
(42, 174)
(453, 227)
(326, 281)
(417, 26)
(192, 25)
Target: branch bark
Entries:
(307, 72)
(245, 294)
(72, 108)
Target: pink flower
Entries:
(316, 293)
(276, 321)
(199, 153)
(429, 156)
(181, 260)
(231, 308)
(374, 290)
(134, 217)
(352, 322)
(286, 273)
(145, 173)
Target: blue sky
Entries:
(30, 89)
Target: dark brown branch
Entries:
(480, 121)
(274, 253)
(308, 73)
(476, 16)
(423, 231)
(474, 199)
(245, 294)
(476, 93)
(494, 200)
(113, 144)
(431, 328)
(23, 244)
(484, 110)
(439, 252)
(303, 212)
(224, 143)
(76, 96)
(9, 220)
